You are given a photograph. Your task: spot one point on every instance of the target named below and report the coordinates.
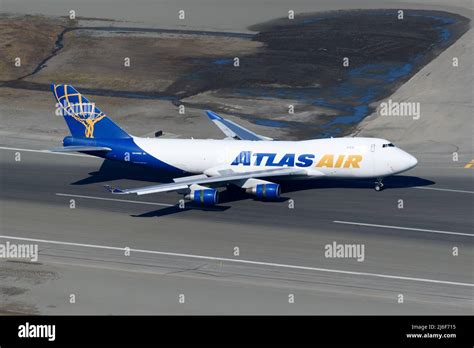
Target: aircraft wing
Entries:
(233, 130)
(185, 182)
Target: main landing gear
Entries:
(378, 185)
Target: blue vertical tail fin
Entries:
(83, 118)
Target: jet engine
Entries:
(265, 191)
(203, 195)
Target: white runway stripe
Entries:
(45, 151)
(114, 199)
(259, 263)
(402, 228)
(443, 189)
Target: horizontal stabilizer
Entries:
(81, 149)
(113, 189)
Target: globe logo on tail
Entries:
(82, 117)
(85, 113)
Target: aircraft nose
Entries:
(411, 161)
(401, 161)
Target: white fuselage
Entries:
(334, 157)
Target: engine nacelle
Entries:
(206, 196)
(265, 191)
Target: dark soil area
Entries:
(298, 60)
(303, 59)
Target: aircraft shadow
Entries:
(234, 194)
(111, 170)
(176, 209)
(392, 182)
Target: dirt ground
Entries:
(30, 38)
(286, 64)
(97, 60)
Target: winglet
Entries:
(213, 115)
(232, 130)
(113, 190)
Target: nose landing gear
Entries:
(378, 185)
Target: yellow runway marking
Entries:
(470, 164)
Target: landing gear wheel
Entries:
(378, 185)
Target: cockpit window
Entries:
(388, 145)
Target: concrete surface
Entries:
(108, 282)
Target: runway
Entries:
(191, 251)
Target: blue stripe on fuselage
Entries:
(124, 150)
